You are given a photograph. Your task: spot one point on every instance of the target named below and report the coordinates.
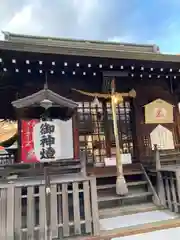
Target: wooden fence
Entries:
(169, 190)
(168, 179)
(73, 209)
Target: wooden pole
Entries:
(48, 202)
(121, 186)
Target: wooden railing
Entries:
(166, 157)
(168, 179)
(73, 208)
(47, 201)
(169, 189)
(59, 167)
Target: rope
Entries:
(132, 94)
(98, 95)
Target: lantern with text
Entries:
(47, 141)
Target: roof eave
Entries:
(51, 49)
(36, 98)
(26, 37)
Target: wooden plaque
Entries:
(158, 112)
(162, 137)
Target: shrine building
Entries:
(56, 109)
(70, 66)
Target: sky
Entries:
(134, 21)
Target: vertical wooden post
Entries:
(83, 163)
(75, 135)
(48, 202)
(3, 212)
(19, 123)
(87, 207)
(65, 210)
(168, 193)
(160, 184)
(157, 157)
(30, 212)
(94, 205)
(18, 155)
(106, 129)
(76, 209)
(160, 189)
(54, 212)
(10, 212)
(178, 184)
(17, 213)
(42, 213)
(173, 190)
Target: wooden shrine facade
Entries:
(26, 64)
(98, 139)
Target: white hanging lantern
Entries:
(47, 141)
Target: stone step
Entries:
(111, 171)
(106, 186)
(107, 175)
(136, 219)
(111, 197)
(138, 230)
(125, 210)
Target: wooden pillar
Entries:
(76, 144)
(106, 87)
(10, 212)
(159, 178)
(157, 157)
(133, 116)
(178, 185)
(3, 213)
(106, 130)
(18, 152)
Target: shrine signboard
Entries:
(158, 112)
